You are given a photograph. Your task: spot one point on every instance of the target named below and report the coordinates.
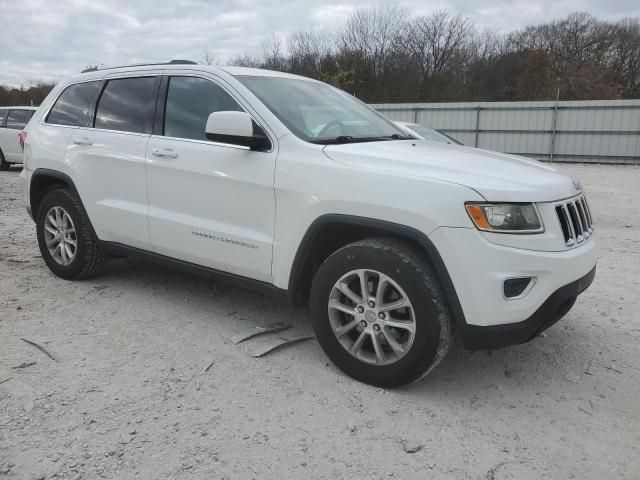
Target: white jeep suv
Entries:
(296, 188)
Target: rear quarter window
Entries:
(72, 105)
(3, 117)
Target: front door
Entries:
(210, 204)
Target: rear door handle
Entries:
(164, 152)
(83, 141)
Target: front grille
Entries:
(575, 219)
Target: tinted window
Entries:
(190, 100)
(3, 117)
(71, 107)
(18, 119)
(125, 104)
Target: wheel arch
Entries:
(330, 232)
(45, 179)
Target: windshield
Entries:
(319, 113)
(432, 134)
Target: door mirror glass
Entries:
(236, 128)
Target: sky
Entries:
(48, 39)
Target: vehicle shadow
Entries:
(534, 366)
(561, 356)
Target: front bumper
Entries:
(478, 269)
(552, 310)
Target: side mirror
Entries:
(236, 128)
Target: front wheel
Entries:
(379, 313)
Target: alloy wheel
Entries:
(372, 317)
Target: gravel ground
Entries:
(128, 396)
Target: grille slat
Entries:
(575, 220)
(583, 219)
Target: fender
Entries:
(34, 193)
(383, 226)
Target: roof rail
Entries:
(172, 62)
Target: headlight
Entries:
(505, 217)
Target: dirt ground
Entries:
(128, 396)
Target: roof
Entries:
(230, 70)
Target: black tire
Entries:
(405, 266)
(4, 165)
(89, 257)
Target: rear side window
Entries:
(190, 100)
(72, 106)
(126, 104)
(3, 117)
(18, 119)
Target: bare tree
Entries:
(310, 52)
(273, 57)
(208, 58)
(372, 35)
(435, 39)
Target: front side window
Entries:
(319, 113)
(125, 104)
(72, 106)
(190, 101)
(18, 119)
(3, 117)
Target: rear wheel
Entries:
(379, 313)
(65, 238)
(4, 165)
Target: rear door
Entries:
(16, 120)
(3, 121)
(107, 158)
(210, 203)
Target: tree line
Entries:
(384, 54)
(25, 95)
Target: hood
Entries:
(495, 176)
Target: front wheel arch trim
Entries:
(398, 230)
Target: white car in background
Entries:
(426, 133)
(12, 121)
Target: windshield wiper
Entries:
(342, 139)
(396, 136)
(334, 141)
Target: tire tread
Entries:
(94, 259)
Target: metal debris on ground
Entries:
(258, 330)
(207, 369)
(24, 365)
(279, 343)
(41, 348)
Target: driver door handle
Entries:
(164, 153)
